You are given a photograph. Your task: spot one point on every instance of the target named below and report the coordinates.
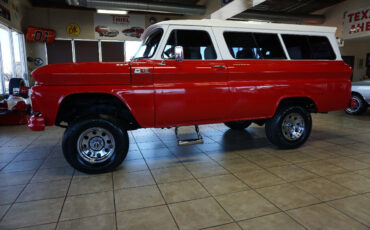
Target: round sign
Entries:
(73, 30)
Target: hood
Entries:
(88, 73)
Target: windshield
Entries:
(149, 46)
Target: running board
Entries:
(190, 141)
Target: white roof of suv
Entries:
(249, 25)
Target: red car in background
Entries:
(105, 31)
(133, 32)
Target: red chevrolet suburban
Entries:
(192, 72)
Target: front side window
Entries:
(242, 45)
(308, 47)
(150, 45)
(246, 45)
(197, 45)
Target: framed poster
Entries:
(119, 27)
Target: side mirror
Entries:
(179, 53)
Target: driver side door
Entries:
(195, 90)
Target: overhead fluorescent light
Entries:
(121, 12)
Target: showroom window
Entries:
(243, 45)
(197, 45)
(112, 51)
(60, 51)
(308, 47)
(131, 47)
(85, 50)
(12, 57)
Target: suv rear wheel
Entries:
(95, 145)
(289, 128)
(238, 125)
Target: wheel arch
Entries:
(306, 102)
(77, 105)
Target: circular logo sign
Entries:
(73, 30)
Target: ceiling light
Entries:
(121, 12)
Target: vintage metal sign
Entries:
(73, 30)
(35, 34)
(357, 23)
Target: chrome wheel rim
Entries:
(95, 145)
(355, 105)
(293, 126)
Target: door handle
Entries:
(218, 67)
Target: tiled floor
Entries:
(236, 180)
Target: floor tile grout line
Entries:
(56, 223)
(114, 203)
(11, 205)
(30, 226)
(220, 225)
(346, 214)
(156, 184)
(64, 201)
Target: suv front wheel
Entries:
(95, 145)
(289, 128)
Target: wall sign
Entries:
(73, 30)
(35, 34)
(119, 27)
(357, 23)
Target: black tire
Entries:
(238, 125)
(15, 83)
(358, 105)
(274, 127)
(71, 142)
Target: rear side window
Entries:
(269, 46)
(308, 47)
(321, 48)
(244, 45)
(197, 45)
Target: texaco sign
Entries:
(356, 23)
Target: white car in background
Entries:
(360, 97)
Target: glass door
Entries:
(7, 58)
(12, 57)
